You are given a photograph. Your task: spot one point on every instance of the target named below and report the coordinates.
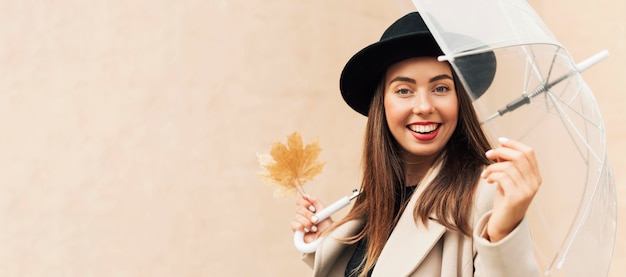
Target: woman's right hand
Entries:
(304, 220)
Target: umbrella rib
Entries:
(545, 83)
(537, 211)
(583, 218)
(566, 119)
(530, 130)
(582, 214)
(530, 57)
(585, 118)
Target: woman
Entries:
(436, 199)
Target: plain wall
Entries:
(130, 128)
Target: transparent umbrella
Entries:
(539, 98)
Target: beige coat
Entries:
(414, 250)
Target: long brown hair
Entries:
(384, 177)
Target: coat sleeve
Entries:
(511, 256)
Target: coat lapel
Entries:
(332, 256)
(410, 242)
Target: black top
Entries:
(354, 266)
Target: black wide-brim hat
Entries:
(408, 37)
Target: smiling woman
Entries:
(436, 199)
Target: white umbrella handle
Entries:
(298, 236)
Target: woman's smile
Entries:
(424, 131)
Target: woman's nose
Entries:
(423, 104)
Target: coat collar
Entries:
(407, 237)
(410, 236)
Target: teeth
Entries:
(423, 128)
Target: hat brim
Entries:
(365, 69)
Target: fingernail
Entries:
(489, 152)
(503, 139)
(314, 228)
(314, 219)
(482, 174)
(312, 209)
(306, 230)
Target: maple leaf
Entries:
(290, 166)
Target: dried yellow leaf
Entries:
(290, 166)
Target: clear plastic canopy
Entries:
(538, 97)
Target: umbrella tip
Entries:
(445, 58)
(593, 60)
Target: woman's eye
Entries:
(403, 91)
(441, 89)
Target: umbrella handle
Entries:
(298, 236)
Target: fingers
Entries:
(303, 224)
(517, 177)
(498, 172)
(514, 154)
(515, 192)
(308, 202)
(305, 209)
(316, 204)
(304, 219)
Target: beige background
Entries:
(130, 128)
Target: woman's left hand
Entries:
(518, 179)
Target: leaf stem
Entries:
(300, 188)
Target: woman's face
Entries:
(421, 105)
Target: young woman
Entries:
(436, 199)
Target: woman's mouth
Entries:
(424, 132)
(424, 129)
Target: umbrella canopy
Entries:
(538, 97)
